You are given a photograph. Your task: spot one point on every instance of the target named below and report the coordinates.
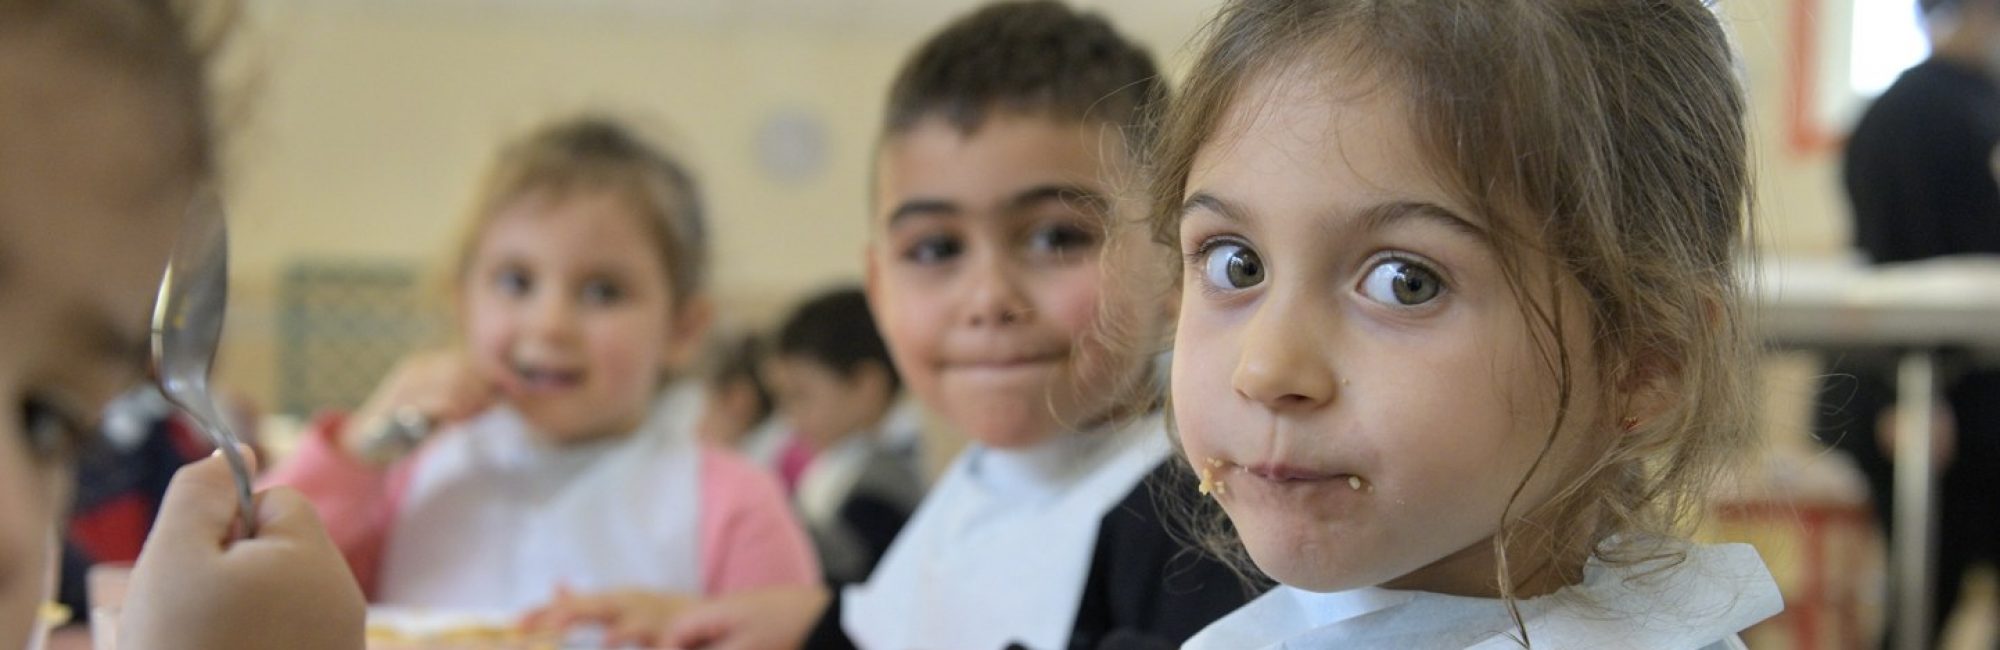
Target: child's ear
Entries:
(873, 377)
(1647, 388)
(687, 332)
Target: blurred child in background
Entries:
(738, 411)
(842, 396)
(560, 461)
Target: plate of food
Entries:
(417, 628)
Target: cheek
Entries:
(25, 523)
(1488, 436)
(1200, 381)
(1072, 306)
(911, 319)
(1073, 299)
(630, 344)
(1204, 347)
(487, 326)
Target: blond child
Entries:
(1459, 343)
(104, 143)
(559, 461)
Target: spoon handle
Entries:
(244, 503)
(226, 442)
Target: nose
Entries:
(550, 316)
(993, 294)
(1282, 365)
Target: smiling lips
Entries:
(1005, 362)
(537, 379)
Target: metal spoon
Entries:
(187, 326)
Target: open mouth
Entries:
(537, 379)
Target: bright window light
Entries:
(1888, 38)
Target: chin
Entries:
(1001, 429)
(1304, 574)
(1009, 437)
(560, 428)
(1306, 561)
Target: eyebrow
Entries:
(1373, 218)
(1019, 201)
(922, 208)
(1382, 215)
(1039, 194)
(1212, 203)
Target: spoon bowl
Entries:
(187, 328)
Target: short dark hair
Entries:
(740, 361)
(1039, 58)
(835, 329)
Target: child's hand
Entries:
(440, 386)
(629, 617)
(778, 618)
(195, 589)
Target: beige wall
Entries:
(1801, 210)
(371, 118)
(368, 121)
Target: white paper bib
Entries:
(999, 552)
(497, 520)
(1702, 603)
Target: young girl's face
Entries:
(569, 313)
(1350, 362)
(91, 198)
(986, 273)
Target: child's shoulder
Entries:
(725, 472)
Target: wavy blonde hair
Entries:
(599, 153)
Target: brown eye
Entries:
(1232, 266)
(603, 293)
(933, 250)
(1401, 283)
(1060, 238)
(513, 282)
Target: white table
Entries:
(1915, 309)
